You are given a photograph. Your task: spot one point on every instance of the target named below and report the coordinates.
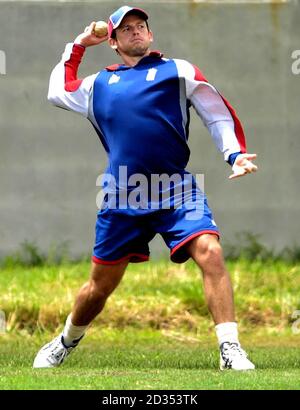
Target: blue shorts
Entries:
(121, 235)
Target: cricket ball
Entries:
(100, 29)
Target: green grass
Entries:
(138, 360)
(155, 331)
(151, 295)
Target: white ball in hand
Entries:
(100, 29)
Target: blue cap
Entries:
(116, 18)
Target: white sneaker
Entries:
(53, 353)
(232, 356)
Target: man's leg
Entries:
(91, 299)
(89, 303)
(92, 296)
(207, 253)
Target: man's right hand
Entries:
(88, 38)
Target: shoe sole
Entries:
(236, 370)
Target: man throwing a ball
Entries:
(140, 111)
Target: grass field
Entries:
(137, 359)
(155, 332)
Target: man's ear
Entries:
(113, 43)
(150, 36)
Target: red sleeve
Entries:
(199, 75)
(71, 68)
(238, 128)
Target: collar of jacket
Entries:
(153, 54)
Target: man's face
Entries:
(132, 37)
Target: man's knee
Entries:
(206, 247)
(211, 248)
(105, 278)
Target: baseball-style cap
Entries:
(116, 18)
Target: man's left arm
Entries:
(220, 119)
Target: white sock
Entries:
(227, 332)
(72, 333)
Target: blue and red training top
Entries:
(141, 113)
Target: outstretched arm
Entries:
(219, 117)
